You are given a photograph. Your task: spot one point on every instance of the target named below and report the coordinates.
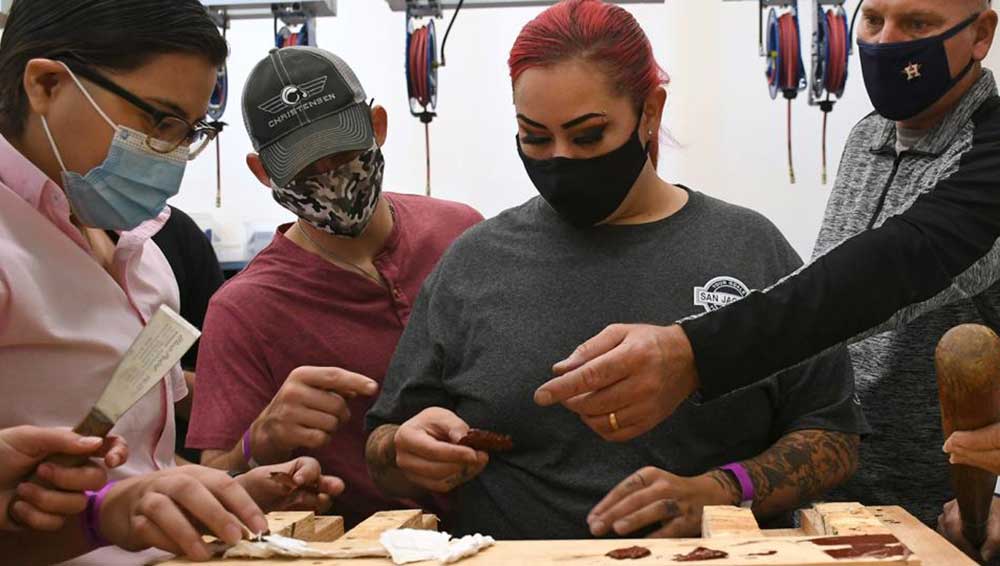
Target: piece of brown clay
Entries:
(701, 553)
(630, 553)
(487, 441)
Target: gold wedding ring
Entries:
(613, 420)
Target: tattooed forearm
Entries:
(728, 484)
(380, 451)
(801, 466)
(380, 454)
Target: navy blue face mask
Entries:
(906, 78)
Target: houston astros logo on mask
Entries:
(912, 71)
(720, 292)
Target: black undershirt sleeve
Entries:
(196, 268)
(864, 281)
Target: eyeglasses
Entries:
(171, 131)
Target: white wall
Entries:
(993, 59)
(734, 134)
(731, 134)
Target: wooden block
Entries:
(741, 552)
(784, 533)
(373, 527)
(325, 529)
(841, 519)
(364, 537)
(811, 523)
(869, 550)
(293, 524)
(932, 549)
(430, 522)
(725, 521)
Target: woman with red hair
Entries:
(514, 294)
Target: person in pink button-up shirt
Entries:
(101, 106)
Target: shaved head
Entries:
(977, 5)
(923, 18)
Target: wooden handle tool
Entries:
(968, 373)
(159, 346)
(95, 424)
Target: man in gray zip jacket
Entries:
(908, 249)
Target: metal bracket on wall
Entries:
(404, 5)
(782, 3)
(768, 3)
(423, 8)
(292, 13)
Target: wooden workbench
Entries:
(889, 531)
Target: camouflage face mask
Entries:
(341, 202)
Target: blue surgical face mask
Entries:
(905, 79)
(131, 186)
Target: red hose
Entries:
(420, 88)
(788, 35)
(422, 68)
(418, 68)
(789, 52)
(836, 74)
(414, 76)
(835, 78)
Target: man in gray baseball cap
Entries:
(295, 347)
(301, 105)
(306, 112)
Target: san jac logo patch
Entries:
(720, 292)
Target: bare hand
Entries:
(308, 409)
(316, 491)
(171, 509)
(654, 496)
(640, 373)
(978, 448)
(950, 526)
(427, 453)
(47, 508)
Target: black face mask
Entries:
(905, 79)
(586, 191)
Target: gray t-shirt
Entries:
(519, 292)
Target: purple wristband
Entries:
(742, 476)
(92, 517)
(247, 457)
